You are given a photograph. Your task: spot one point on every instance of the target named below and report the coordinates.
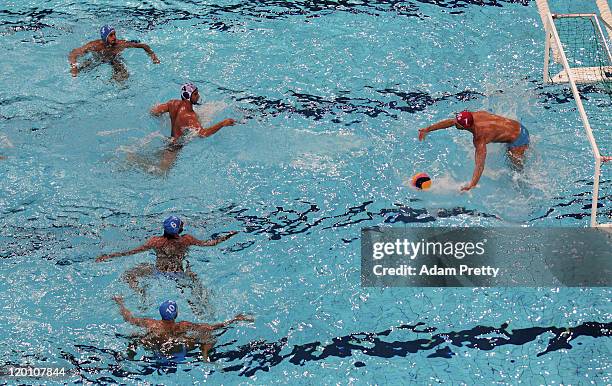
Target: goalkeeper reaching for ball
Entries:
(486, 128)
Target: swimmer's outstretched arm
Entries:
(207, 132)
(159, 109)
(80, 51)
(127, 315)
(208, 243)
(134, 251)
(145, 47)
(213, 327)
(480, 156)
(436, 126)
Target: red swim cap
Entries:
(465, 119)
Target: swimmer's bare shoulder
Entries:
(170, 106)
(189, 240)
(156, 242)
(94, 45)
(488, 117)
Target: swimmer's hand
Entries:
(230, 234)
(118, 299)
(103, 258)
(467, 187)
(243, 318)
(155, 59)
(74, 70)
(422, 134)
(228, 122)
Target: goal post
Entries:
(589, 62)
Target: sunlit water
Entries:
(329, 97)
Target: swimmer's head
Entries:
(173, 226)
(189, 92)
(464, 120)
(168, 310)
(108, 36)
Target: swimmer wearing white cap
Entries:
(182, 115)
(183, 118)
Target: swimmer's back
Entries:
(182, 116)
(495, 128)
(170, 253)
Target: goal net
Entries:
(578, 54)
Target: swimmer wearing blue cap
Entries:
(107, 50)
(171, 247)
(170, 250)
(169, 337)
(182, 115)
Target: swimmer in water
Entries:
(171, 338)
(486, 128)
(170, 250)
(107, 50)
(183, 118)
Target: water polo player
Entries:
(183, 117)
(107, 50)
(167, 337)
(486, 128)
(170, 250)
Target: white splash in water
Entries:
(5, 142)
(142, 143)
(511, 98)
(208, 110)
(105, 133)
(445, 184)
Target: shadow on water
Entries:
(316, 107)
(264, 356)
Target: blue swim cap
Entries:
(168, 310)
(172, 225)
(187, 89)
(105, 31)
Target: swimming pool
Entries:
(329, 97)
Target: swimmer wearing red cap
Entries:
(107, 49)
(486, 128)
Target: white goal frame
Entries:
(573, 76)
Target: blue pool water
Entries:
(329, 96)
